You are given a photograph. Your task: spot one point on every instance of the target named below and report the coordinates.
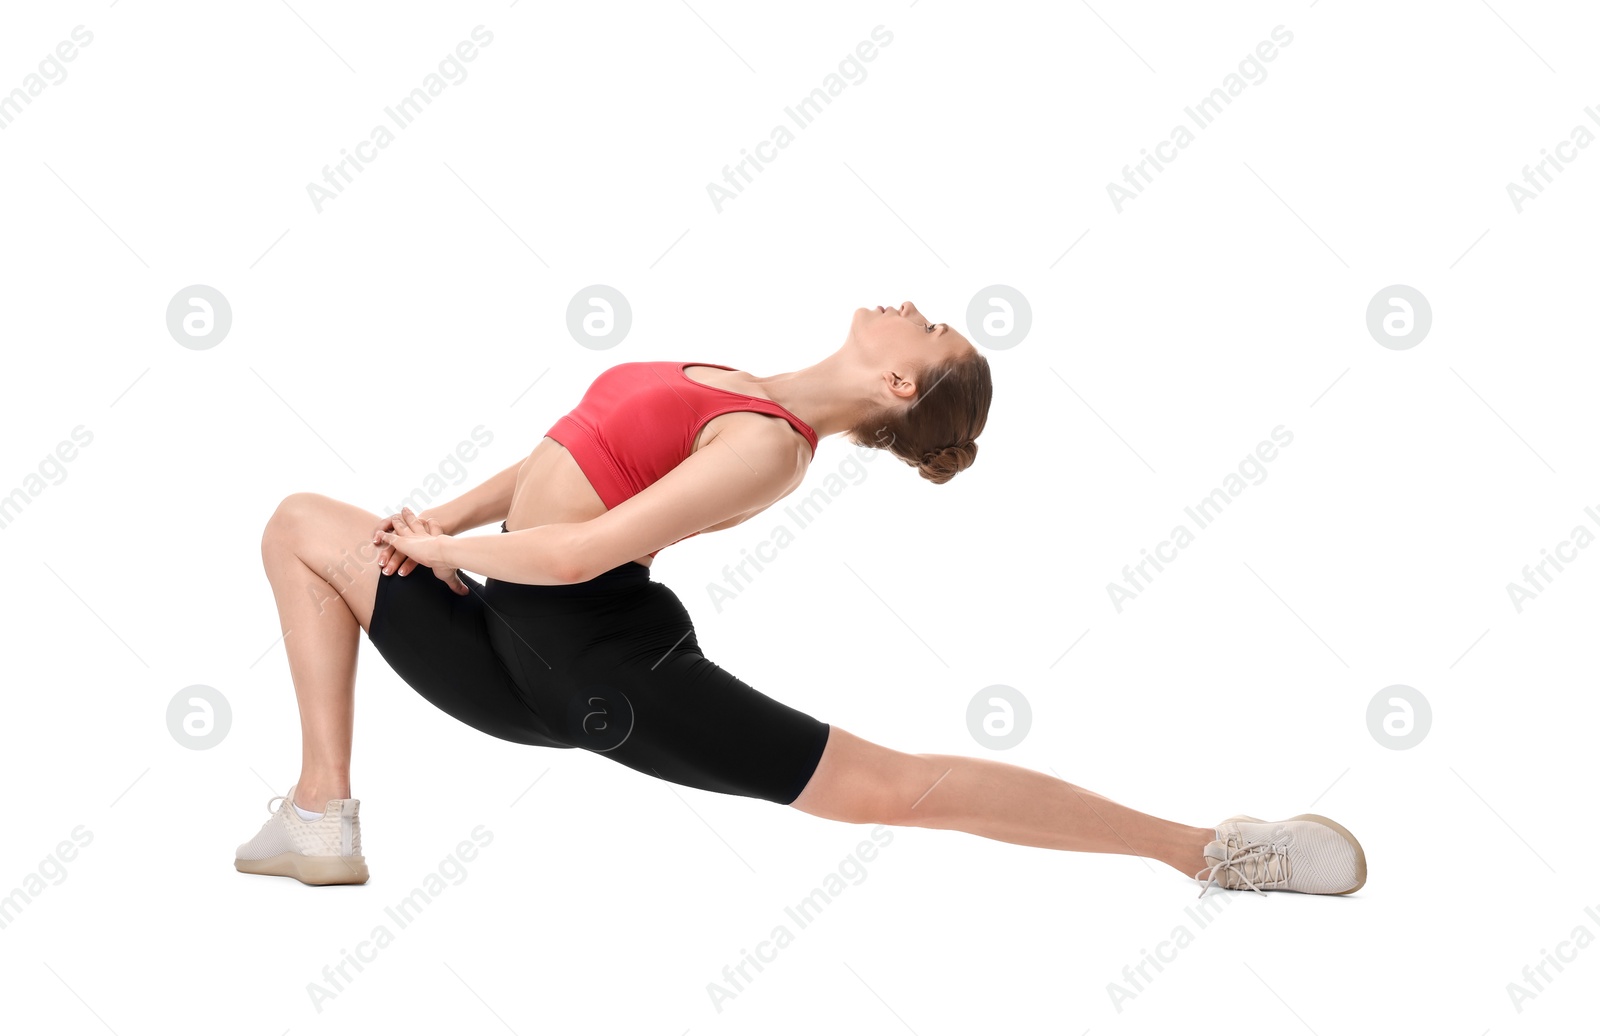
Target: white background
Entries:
(1166, 341)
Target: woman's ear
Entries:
(903, 388)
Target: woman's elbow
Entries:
(570, 573)
(574, 559)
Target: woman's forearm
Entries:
(544, 555)
(486, 503)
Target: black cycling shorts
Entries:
(610, 665)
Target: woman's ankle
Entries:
(1189, 857)
(312, 793)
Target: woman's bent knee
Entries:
(296, 515)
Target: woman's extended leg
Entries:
(319, 558)
(863, 783)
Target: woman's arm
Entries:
(489, 502)
(742, 470)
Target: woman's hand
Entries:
(390, 559)
(422, 542)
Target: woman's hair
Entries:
(936, 432)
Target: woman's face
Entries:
(902, 340)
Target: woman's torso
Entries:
(552, 488)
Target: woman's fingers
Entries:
(432, 527)
(402, 524)
(394, 543)
(408, 522)
(409, 563)
(390, 557)
(384, 525)
(392, 533)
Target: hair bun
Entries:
(940, 466)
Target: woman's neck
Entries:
(816, 394)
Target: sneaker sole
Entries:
(309, 870)
(1361, 856)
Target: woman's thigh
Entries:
(441, 644)
(643, 694)
(334, 540)
(691, 722)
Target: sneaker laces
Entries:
(1251, 862)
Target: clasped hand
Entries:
(409, 540)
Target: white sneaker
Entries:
(1306, 853)
(325, 851)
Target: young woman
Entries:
(568, 642)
